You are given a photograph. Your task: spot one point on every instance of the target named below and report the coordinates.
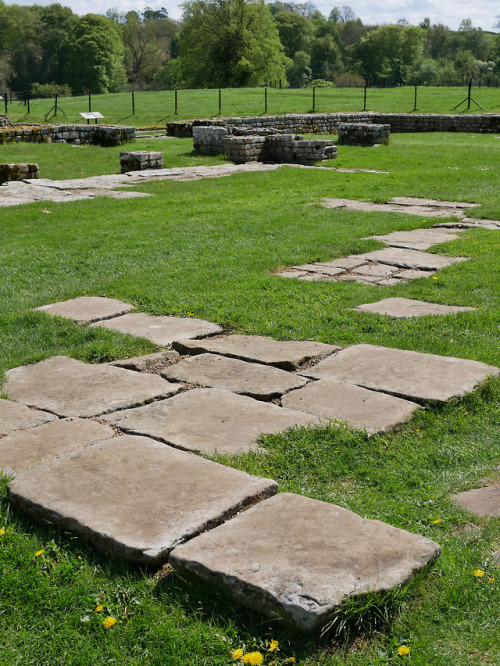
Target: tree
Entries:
(20, 30)
(390, 51)
(325, 57)
(466, 65)
(473, 40)
(295, 32)
(300, 73)
(58, 24)
(228, 43)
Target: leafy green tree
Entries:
(20, 30)
(325, 57)
(300, 73)
(466, 65)
(57, 23)
(390, 51)
(474, 40)
(230, 43)
(295, 32)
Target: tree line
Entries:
(231, 43)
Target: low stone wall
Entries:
(5, 120)
(363, 134)
(209, 139)
(140, 160)
(13, 171)
(101, 135)
(327, 123)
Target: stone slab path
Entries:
(67, 387)
(15, 416)
(147, 362)
(403, 308)
(481, 501)
(87, 309)
(44, 443)
(408, 374)
(262, 382)
(209, 421)
(418, 239)
(305, 558)
(134, 497)
(422, 207)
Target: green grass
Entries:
(208, 248)
(157, 108)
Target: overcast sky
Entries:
(449, 12)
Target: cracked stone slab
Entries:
(360, 408)
(288, 355)
(308, 557)
(469, 223)
(67, 387)
(87, 309)
(403, 308)
(412, 258)
(374, 270)
(433, 203)
(481, 501)
(147, 362)
(36, 446)
(319, 268)
(403, 373)
(209, 420)
(14, 417)
(417, 239)
(136, 498)
(161, 330)
(414, 274)
(262, 382)
(422, 207)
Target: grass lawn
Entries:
(157, 108)
(207, 248)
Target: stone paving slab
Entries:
(148, 362)
(481, 501)
(360, 408)
(87, 309)
(161, 330)
(68, 387)
(297, 558)
(35, 446)
(209, 421)
(136, 498)
(422, 207)
(262, 382)
(374, 270)
(469, 223)
(14, 417)
(403, 308)
(433, 203)
(412, 258)
(288, 355)
(414, 274)
(406, 374)
(417, 239)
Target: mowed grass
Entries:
(154, 108)
(208, 249)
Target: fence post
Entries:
(133, 103)
(415, 105)
(175, 102)
(5, 101)
(55, 106)
(280, 84)
(28, 102)
(468, 96)
(220, 102)
(90, 102)
(366, 85)
(25, 95)
(265, 99)
(314, 99)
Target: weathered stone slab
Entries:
(208, 421)
(414, 274)
(422, 207)
(71, 388)
(432, 203)
(340, 401)
(134, 497)
(148, 362)
(262, 382)
(306, 557)
(162, 330)
(35, 446)
(14, 417)
(403, 308)
(282, 354)
(470, 223)
(403, 373)
(481, 501)
(412, 259)
(320, 268)
(374, 270)
(87, 309)
(417, 239)
(346, 263)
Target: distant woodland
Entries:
(232, 43)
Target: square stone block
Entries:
(87, 309)
(136, 498)
(296, 558)
(14, 417)
(68, 387)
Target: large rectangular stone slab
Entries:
(403, 308)
(259, 349)
(87, 309)
(209, 421)
(136, 498)
(14, 417)
(68, 387)
(299, 559)
(261, 382)
(481, 501)
(161, 330)
(360, 408)
(404, 373)
(412, 259)
(35, 446)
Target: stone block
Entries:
(14, 417)
(87, 309)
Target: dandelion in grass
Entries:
(237, 654)
(253, 658)
(435, 278)
(2, 531)
(437, 521)
(99, 608)
(273, 645)
(109, 622)
(39, 552)
(403, 650)
(491, 580)
(478, 573)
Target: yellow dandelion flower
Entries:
(109, 622)
(478, 573)
(99, 608)
(2, 531)
(39, 552)
(237, 654)
(253, 658)
(491, 580)
(272, 646)
(403, 650)
(292, 660)
(435, 278)
(437, 521)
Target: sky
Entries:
(483, 14)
